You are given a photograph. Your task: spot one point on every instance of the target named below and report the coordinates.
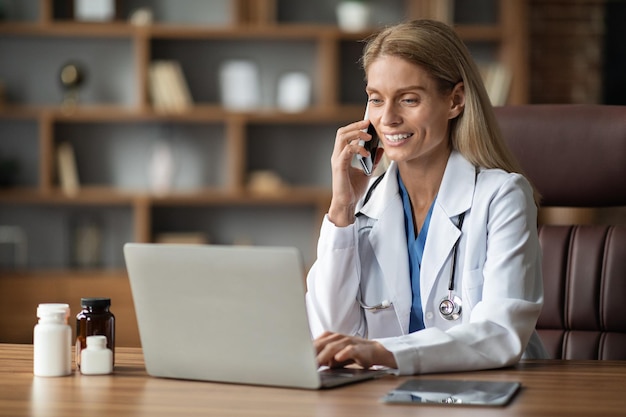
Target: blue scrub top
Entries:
(415, 247)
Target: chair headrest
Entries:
(574, 154)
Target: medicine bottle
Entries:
(94, 319)
(52, 341)
(96, 359)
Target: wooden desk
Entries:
(554, 388)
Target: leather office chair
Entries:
(576, 157)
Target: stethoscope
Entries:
(451, 305)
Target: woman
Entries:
(436, 266)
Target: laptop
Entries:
(233, 314)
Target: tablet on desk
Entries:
(453, 392)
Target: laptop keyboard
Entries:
(338, 376)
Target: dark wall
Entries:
(614, 87)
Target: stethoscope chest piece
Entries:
(450, 308)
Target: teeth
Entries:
(397, 138)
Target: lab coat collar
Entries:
(455, 196)
(457, 186)
(455, 192)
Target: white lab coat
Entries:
(498, 273)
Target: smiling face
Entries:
(410, 113)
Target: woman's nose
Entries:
(390, 115)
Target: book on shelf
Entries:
(197, 238)
(497, 79)
(67, 171)
(168, 87)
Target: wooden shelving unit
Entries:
(35, 124)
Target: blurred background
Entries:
(212, 121)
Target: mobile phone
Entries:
(366, 163)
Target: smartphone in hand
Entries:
(366, 163)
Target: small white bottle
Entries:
(52, 341)
(96, 359)
(58, 306)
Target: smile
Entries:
(398, 137)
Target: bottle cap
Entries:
(47, 308)
(97, 341)
(95, 302)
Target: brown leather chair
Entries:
(576, 157)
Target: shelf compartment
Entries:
(19, 144)
(252, 225)
(120, 155)
(298, 153)
(31, 69)
(201, 61)
(50, 233)
(383, 12)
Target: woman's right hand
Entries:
(349, 183)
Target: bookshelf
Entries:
(215, 151)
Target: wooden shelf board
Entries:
(479, 33)
(65, 273)
(94, 195)
(67, 28)
(199, 113)
(287, 196)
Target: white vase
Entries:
(353, 16)
(294, 92)
(161, 169)
(240, 85)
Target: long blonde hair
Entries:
(437, 48)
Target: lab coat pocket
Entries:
(382, 323)
(473, 287)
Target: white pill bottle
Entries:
(52, 342)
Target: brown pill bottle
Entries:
(95, 318)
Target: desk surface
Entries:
(555, 388)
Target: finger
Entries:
(355, 353)
(323, 339)
(346, 134)
(327, 347)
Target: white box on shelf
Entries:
(94, 10)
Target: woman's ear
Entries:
(458, 100)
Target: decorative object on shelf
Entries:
(13, 247)
(353, 15)
(72, 77)
(239, 83)
(67, 171)
(168, 87)
(86, 243)
(497, 79)
(266, 182)
(9, 169)
(94, 10)
(142, 16)
(161, 168)
(294, 92)
(196, 238)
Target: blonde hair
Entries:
(435, 47)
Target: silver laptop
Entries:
(232, 314)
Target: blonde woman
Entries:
(434, 265)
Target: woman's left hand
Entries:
(337, 350)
